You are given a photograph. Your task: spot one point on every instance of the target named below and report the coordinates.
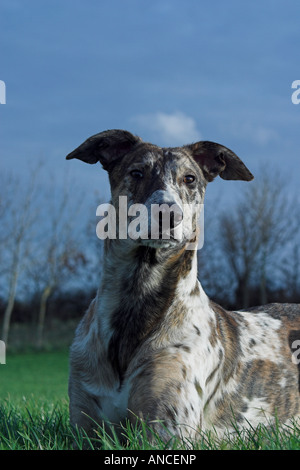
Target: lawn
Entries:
(35, 375)
(34, 401)
(34, 415)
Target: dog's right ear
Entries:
(106, 147)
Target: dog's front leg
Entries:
(164, 399)
(84, 409)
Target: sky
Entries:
(171, 71)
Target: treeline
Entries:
(251, 252)
(50, 259)
(50, 256)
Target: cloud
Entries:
(169, 129)
(264, 136)
(249, 131)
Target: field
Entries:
(34, 414)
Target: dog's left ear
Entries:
(215, 159)
(105, 147)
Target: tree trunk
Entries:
(242, 294)
(263, 277)
(42, 315)
(10, 306)
(246, 294)
(263, 291)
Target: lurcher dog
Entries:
(152, 344)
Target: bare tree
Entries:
(17, 229)
(59, 255)
(290, 278)
(256, 235)
(212, 272)
(43, 247)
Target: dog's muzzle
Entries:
(165, 218)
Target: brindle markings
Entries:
(212, 374)
(257, 380)
(198, 388)
(197, 329)
(228, 333)
(184, 347)
(136, 319)
(196, 290)
(164, 374)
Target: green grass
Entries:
(40, 425)
(34, 415)
(36, 375)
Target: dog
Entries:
(152, 346)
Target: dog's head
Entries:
(160, 189)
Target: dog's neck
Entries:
(133, 272)
(139, 286)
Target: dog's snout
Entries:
(167, 216)
(176, 216)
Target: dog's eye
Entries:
(136, 174)
(188, 179)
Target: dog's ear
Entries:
(215, 159)
(105, 147)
